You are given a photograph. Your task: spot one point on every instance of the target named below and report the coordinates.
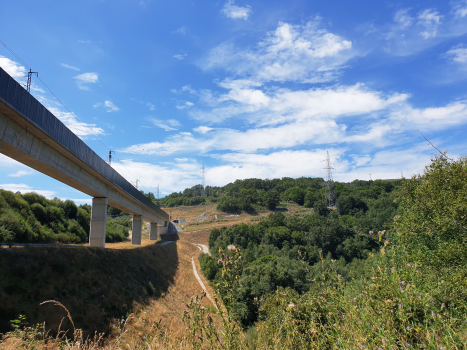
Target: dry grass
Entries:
(98, 286)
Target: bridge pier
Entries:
(136, 230)
(153, 232)
(98, 222)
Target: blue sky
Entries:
(249, 88)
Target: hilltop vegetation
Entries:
(32, 218)
(250, 195)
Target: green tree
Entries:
(6, 235)
(433, 220)
(271, 199)
(70, 209)
(295, 194)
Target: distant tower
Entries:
(330, 194)
(203, 174)
(110, 156)
(30, 73)
(157, 191)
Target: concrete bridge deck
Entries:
(32, 135)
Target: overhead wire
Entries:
(67, 109)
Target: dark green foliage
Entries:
(83, 219)
(39, 212)
(271, 199)
(251, 195)
(321, 208)
(350, 205)
(295, 194)
(75, 229)
(114, 211)
(208, 266)
(433, 222)
(283, 251)
(312, 195)
(31, 218)
(117, 228)
(70, 209)
(247, 195)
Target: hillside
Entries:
(307, 279)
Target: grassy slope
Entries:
(95, 285)
(98, 286)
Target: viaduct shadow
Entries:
(96, 285)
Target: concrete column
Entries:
(153, 232)
(136, 230)
(98, 222)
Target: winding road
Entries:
(205, 250)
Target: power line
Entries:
(14, 54)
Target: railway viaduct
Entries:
(32, 135)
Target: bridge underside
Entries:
(24, 142)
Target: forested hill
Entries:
(354, 198)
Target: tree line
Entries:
(32, 218)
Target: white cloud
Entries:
(79, 201)
(77, 127)
(458, 54)
(433, 118)
(328, 116)
(6, 161)
(202, 129)
(391, 163)
(233, 11)
(12, 68)
(284, 105)
(181, 56)
(110, 106)
(403, 19)
(86, 78)
(460, 8)
(302, 53)
(185, 105)
(430, 19)
(182, 30)
(171, 177)
(64, 65)
(20, 173)
(84, 41)
(403, 36)
(151, 106)
(23, 188)
(167, 125)
(298, 163)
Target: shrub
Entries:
(208, 266)
(39, 212)
(70, 209)
(83, 219)
(75, 229)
